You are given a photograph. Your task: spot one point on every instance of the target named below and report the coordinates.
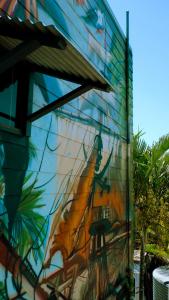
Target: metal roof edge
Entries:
(108, 85)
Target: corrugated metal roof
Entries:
(56, 54)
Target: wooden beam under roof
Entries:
(59, 102)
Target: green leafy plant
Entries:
(156, 250)
(28, 229)
(151, 193)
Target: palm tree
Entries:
(150, 170)
(29, 228)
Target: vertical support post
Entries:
(127, 75)
(128, 146)
(22, 106)
(13, 188)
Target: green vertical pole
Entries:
(127, 76)
(128, 152)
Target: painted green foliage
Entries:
(63, 190)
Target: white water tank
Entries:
(161, 283)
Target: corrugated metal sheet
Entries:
(67, 59)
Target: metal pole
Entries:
(128, 149)
(127, 76)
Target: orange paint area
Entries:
(80, 2)
(88, 228)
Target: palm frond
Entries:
(160, 148)
(29, 230)
(32, 150)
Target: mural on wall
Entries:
(63, 227)
(94, 33)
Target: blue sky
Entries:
(149, 39)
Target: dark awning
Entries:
(46, 50)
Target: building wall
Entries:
(63, 190)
